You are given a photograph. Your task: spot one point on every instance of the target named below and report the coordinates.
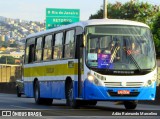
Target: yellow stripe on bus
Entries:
(51, 70)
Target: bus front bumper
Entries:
(93, 92)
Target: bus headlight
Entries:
(94, 80)
(149, 82)
(90, 78)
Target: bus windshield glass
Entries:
(119, 47)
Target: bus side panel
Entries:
(52, 89)
(75, 88)
(45, 89)
(92, 92)
(58, 89)
(28, 89)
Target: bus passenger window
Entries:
(58, 48)
(69, 44)
(26, 54)
(31, 53)
(47, 48)
(38, 55)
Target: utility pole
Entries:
(6, 69)
(1, 73)
(105, 9)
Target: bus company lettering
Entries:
(49, 70)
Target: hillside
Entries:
(17, 29)
(12, 37)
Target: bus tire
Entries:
(70, 101)
(93, 103)
(37, 98)
(130, 104)
(87, 102)
(48, 101)
(18, 92)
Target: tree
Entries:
(7, 59)
(98, 15)
(156, 33)
(132, 10)
(4, 44)
(13, 45)
(138, 11)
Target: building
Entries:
(2, 49)
(2, 37)
(15, 55)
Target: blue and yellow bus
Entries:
(90, 61)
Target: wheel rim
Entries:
(17, 90)
(70, 96)
(36, 94)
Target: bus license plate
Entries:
(120, 92)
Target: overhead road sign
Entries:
(58, 17)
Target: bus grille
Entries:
(127, 84)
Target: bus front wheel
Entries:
(93, 103)
(130, 104)
(70, 101)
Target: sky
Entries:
(34, 10)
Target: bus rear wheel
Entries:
(37, 98)
(130, 104)
(47, 101)
(70, 101)
(18, 92)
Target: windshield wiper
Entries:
(131, 57)
(134, 61)
(113, 56)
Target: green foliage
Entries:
(156, 33)
(3, 44)
(137, 11)
(13, 45)
(98, 15)
(7, 60)
(132, 10)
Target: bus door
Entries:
(79, 56)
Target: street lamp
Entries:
(105, 9)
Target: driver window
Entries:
(93, 45)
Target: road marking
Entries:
(19, 106)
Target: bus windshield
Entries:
(119, 47)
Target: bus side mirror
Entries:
(22, 60)
(80, 38)
(81, 43)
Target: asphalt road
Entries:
(9, 102)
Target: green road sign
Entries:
(59, 17)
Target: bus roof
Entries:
(89, 23)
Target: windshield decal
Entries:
(103, 60)
(92, 56)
